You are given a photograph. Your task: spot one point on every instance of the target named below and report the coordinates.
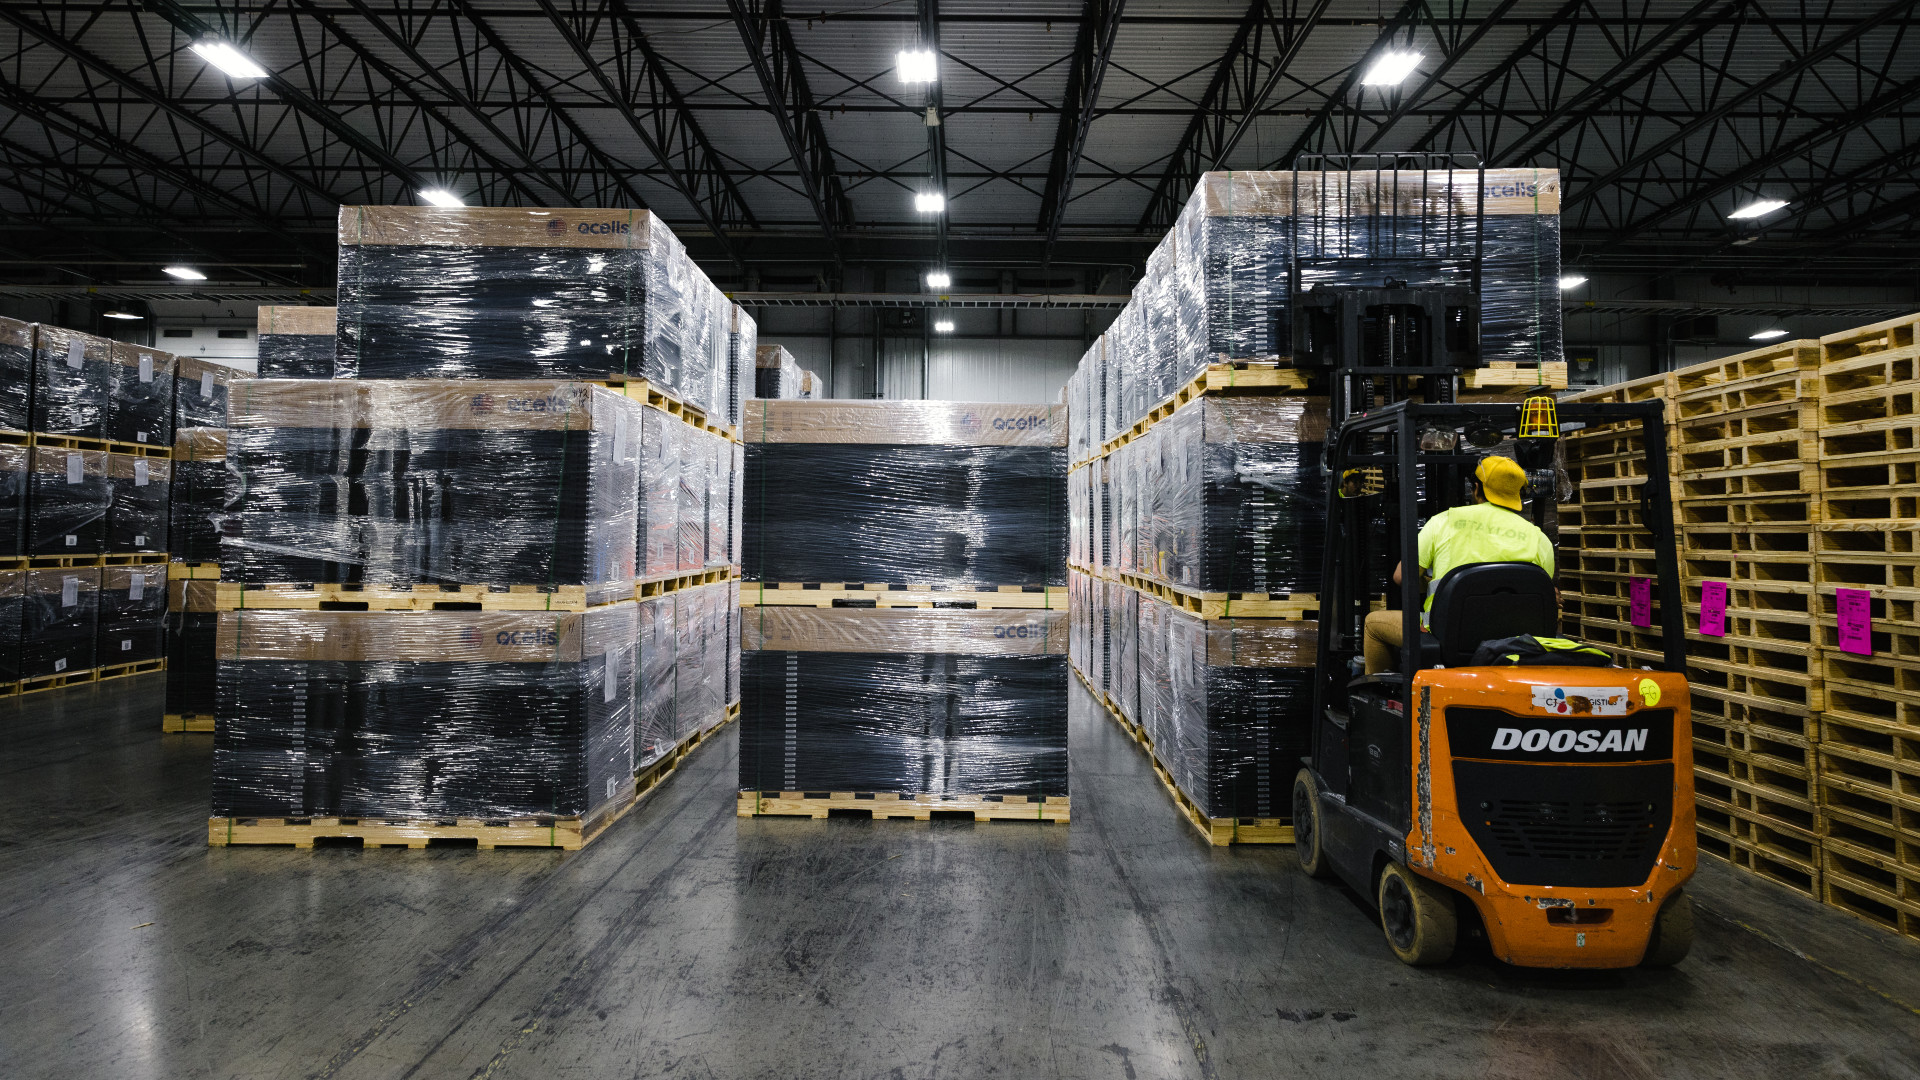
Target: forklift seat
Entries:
(1483, 602)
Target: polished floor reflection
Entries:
(689, 943)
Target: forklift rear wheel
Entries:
(1418, 917)
(1306, 827)
(1672, 933)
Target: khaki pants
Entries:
(1383, 641)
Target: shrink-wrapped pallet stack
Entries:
(1196, 493)
(777, 374)
(479, 584)
(905, 618)
(1795, 502)
(86, 432)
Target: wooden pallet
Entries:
(1882, 336)
(1869, 887)
(646, 392)
(1727, 839)
(49, 682)
(1217, 605)
(138, 667)
(662, 584)
(186, 722)
(798, 594)
(66, 562)
(1878, 490)
(1780, 358)
(1661, 387)
(1218, 832)
(884, 804)
(186, 571)
(1547, 375)
(238, 596)
(1240, 378)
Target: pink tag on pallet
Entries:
(1854, 608)
(1640, 601)
(1713, 608)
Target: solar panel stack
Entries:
(436, 603)
(86, 427)
(1196, 494)
(777, 374)
(905, 623)
(296, 342)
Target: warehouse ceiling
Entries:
(781, 143)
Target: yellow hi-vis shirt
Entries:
(1476, 534)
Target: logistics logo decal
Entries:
(471, 635)
(556, 227)
(526, 637)
(1024, 630)
(1018, 423)
(1581, 700)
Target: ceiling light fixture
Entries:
(1768, 335)
(121, 315)
(232, 63)
(916, 65)
(1571, 281)
(939, 279)
(929, 202)
(1758, 209)
(441, 197)
(944, 326)
(184, 273)
(1391, 68)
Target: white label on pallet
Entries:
(60, 665)
(76, 468)
(146, 368)
(613, 674)
(141, 472)
(140, 540)
(76, 352)
(139, 436)
(69, 592)
(137, 585)
(72, 540)
(206, 384)
(126, 644)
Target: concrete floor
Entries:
(687, 943)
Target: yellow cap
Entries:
(1502, 479)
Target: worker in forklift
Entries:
(1493, 529)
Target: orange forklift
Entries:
(1554, 801)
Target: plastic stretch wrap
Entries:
(955, 495)
(1087, 428)
(192, 624)
(776, 373)
(72, 378)
(743, 346)
(656, 719)
(737, 500)
(1080, 517)
(1225, 495)
(475, 482)
(417, 715)
(16, 374)
(517, 293)
(733, 643)
(904, 700)
(137, 516)
(700, 667)
(1079, 623)
(14, 482)
(13, 594)
(657, 528)
(198, 503)
(295, 343)
(140, 387)
(1227, 704)
(133, 612)
(200, 391)
(67, 502)
(1123, 623)
(59, 612)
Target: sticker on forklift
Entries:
(1649, 693)
(1581, 700)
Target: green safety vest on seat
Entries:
(1530, 651)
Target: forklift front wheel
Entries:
(1306, 827)
(1418, 917)
(1672, 933)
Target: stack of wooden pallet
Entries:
(1798, 512)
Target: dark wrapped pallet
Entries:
(776, 373)
(478, 293)
(59, 612)
(700, 662)
(140, 388)
(192, 624)
(454, 482)
(16, 371)
(743, 346)
(200, 387)
(72, 377)
(1225, 496)
(13, 596)
(657, 535)
(15, 480)
(137, 517)
(428, 715)
(67, 502)
(295, 342)
(197, 504)
(133, 611)
(1227, 704)
(656, 720)
(956, 495)
(904, 700)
